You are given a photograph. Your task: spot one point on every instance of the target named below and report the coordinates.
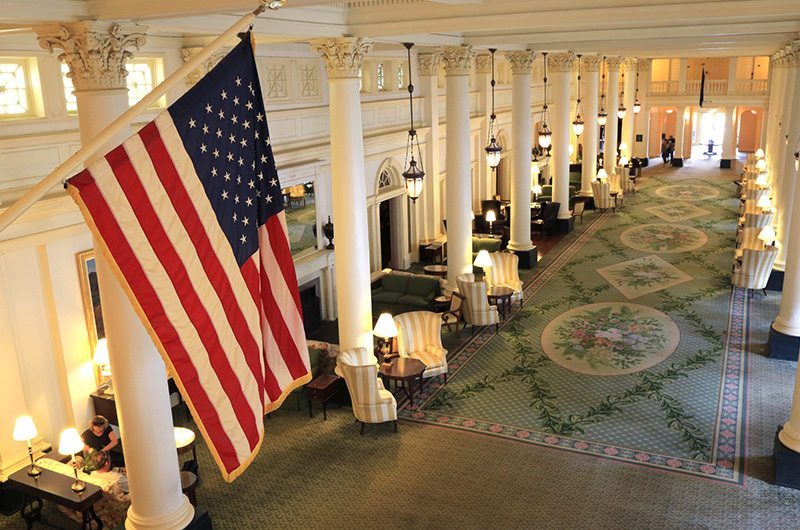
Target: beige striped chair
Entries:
(505, 271)
(755, 220)
(477, 311)
(419, 335)
(754, 195)
(614, 181)
(750, 207)
(371, 402)
(755, 268)
(747, 238)
(602, 195)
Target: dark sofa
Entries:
(400, 293)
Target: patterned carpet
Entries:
(620, 350)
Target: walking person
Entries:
(664, 150)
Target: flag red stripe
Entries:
(251, 278)
(279, 243)
(184, 208)
(172, 264)
(118, 246)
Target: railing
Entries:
(713, 86)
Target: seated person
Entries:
(111, 479)
(101, 437)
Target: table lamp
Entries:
(491, 217)
(761, 164)
(101, 359)
(483, 260)
(69, 444)
(767, 235)
(759, 153)
(761, 180)
(385, 330)
(764, 203)
(537, 190)
(25, 431)
(602, 174)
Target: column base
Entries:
(725, 164)
(677, 162)
(201, 521)
(565, 226)
(527, 258)
(782, 346)
(786, 463)
(775, 282)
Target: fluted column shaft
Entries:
(641, 124)
(589, 110)
(612, 102)
(428, 68)
(559, 69)
(630, 116)
(729, 141)
(96, 53)
(458, 64)
(680, 127)
(521, 137)
(785, 177)
(342, 58)
(483, 76)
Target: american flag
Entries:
(189, 212)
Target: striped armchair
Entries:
(750, 206)
(755, 220)
(602, 195)
(371, 402)
(755, 268)
(505, 271)
(754, 195)
(419, 335)
(477, 310)
(614, 182)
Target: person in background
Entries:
(671, 147)
(664, 150)
(101, 437)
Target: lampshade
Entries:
(413, 179)
(577, 126)
(602, 174)
(623, 146)
(759, 153)
(24, 429)
(637, 106)
(483, 259)
(535, 168)
(764, 203)
(493, 153)
(545, 138)
(602, 117)
(761, 165)
(183, 436)
(385, 328)
(537, 189)
(623, 160)
(70, 442)
(101, 353)
(621, 111)
(767, 234)
(491, 216)
(761, 180)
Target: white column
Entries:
(729, 142)
(96, 54)
(589, 110)
(684, 64)
(630, 95)
(428, 70)
(777, 104)
(559, 66)
(483, 77)
(343, 58)
(521, 137)
(731, 89)
(458, 64)
(786, 175)
(680, 128)
(641, 125)
(612, 102)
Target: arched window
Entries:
(14, 88)
(385, 180)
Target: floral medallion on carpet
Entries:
(658, 381)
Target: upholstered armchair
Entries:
(505, 271)
(747, 238)
(454, 315)
(755, 195)
(578, 208)
(755, 220)
(614, 181)
(297, 194)
(602, 195)
(371, 402)
(419, 335)
(477, 311)
(754, 270)
(750, 206)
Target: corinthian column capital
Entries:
(458, 59)
(342, 56)
(428, 63)
(560, 62)
(591, 63)
(95, 52)
(644, 65)
(521, 61)
(205, 67)
(613, 63)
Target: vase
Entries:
(327, 231)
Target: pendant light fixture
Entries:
(545, 135)
(414, 173)
(492, 149)
(637, 106)
(622, 110)
(602, 116)
(577, 125)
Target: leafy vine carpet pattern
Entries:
(629, 345)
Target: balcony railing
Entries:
(713, 86)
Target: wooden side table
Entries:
(189, 485)
(501, 297)
(404, 369)
(322, 388)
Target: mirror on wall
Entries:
(90, 292)
(299, 203)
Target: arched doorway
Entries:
(389, 220)
(749, 135)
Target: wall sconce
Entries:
(25, 431)
(69, 444)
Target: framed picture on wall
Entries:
(90, 292)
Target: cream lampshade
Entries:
(483, 259)
(537, 189)
(761, 165)
(25, 431)
(764, 203)
(623, 160)
(535, 168)
(767, 234)
(602, 174)
(491, 216)
(759, 153)
(761, 180)
(69, 444)
(101, 359)
(385, 328)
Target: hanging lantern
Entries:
(414, 173)
(621, 111)
(577, 125)
(493, 149)
(545, 135)
(637, 106)
(602, 116)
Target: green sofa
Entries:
(489, 244)
(401, 293)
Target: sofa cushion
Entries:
(395, 282)
(385, 296)
(412, 300)
(422, 286)
(489, 244)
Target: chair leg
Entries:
(445, 378)
(395, 425)
(362, 428)
(765, 291)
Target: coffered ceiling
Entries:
(616, 27)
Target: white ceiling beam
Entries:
(30, 12)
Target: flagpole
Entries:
(64, 169)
